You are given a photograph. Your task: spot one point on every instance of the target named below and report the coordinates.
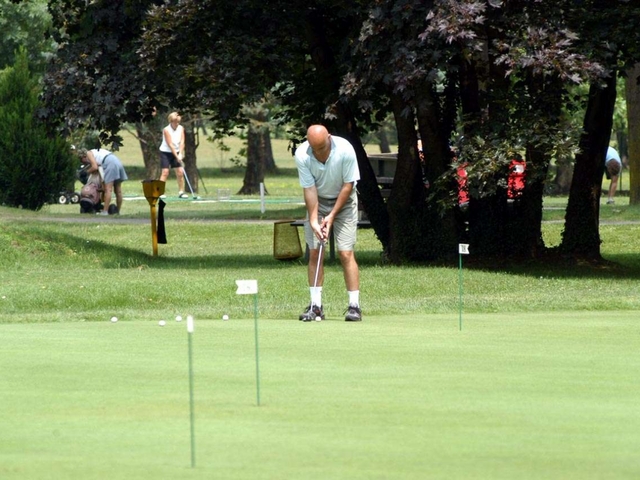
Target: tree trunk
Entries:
(633, 120)
(258, 115)
(438, 229)
(383, 140)
(258, 148)
(581, 236)
(269, 162)
(487, 216)
(524, 229)
(407, 185)
(190, 158)
(150, 137)
(345, 126)
(368, 192)
(564, 173)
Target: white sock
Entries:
(316, 295)
(354, 298)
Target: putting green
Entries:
(510, 396)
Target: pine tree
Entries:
(34, 164)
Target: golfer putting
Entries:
(328, 174)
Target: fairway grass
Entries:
(540, 383)
(529, 395)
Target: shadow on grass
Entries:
(109, 256)
(613, 267)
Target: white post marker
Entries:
(250, 287)
(247, 287)
(190, 328)
(463, 249)
(262, 206)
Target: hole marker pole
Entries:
(191, 409)
(263, 208)
(463, 249)
(255, 319)
(250, 287)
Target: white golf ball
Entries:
(225, 317)
(114, 319)
(178, 318)
(318, 319)
(162, 323)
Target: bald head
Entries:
(319, 141)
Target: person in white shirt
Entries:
(172, 151)
(613, 166)
(328, 173)
(114, 174)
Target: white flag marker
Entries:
(463, 248)
(247, 287)
(189, 324)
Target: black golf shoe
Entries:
(313, 312)
(353, 314)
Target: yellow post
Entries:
(152, 191)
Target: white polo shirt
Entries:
(341, 167)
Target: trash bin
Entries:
(286, 242)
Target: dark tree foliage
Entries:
(508, 66)
(614, 41)
(237, 51)
(495, 72)
(95, 81)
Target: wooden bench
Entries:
(332, 240)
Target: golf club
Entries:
(315, 281)
(188, 182)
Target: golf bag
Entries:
(91, 192)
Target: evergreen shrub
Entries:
(35, 165)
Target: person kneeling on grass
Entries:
(328, 173)
(114, 174)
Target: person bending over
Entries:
(612, 168)
(328, 174)
(114, 174)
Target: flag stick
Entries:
(460, 290)
(191, 409)
(255, 317)
(463, 249)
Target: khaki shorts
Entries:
(345, 225)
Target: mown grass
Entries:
(539, 383)
(532, 395)
(87, 268)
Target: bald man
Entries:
(328, 173)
